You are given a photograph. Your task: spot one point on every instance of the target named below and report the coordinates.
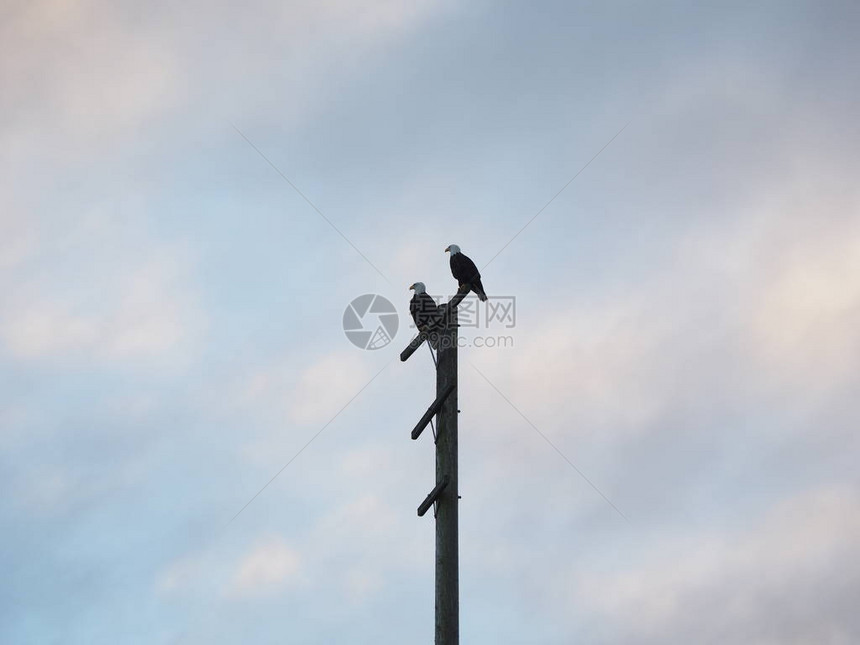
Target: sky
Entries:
(663, 448)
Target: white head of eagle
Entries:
(418, 287)
(453, 249)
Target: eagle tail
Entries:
(478, 288)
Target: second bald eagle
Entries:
(425, 312)
(465, 271)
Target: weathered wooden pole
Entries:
(447, 547)
(445, 494)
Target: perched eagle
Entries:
(423, 308)
(465, 271)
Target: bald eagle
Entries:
(465, 271)
(423, 308)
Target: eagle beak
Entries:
(412, 286)
(447, 249)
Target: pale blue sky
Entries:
(688, 320)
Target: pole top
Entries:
(448, 307)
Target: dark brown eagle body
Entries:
(465, 271)
(424, 311)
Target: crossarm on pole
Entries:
(431, 411)
(432, 495)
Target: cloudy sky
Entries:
(687, 331)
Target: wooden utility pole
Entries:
(447, 543)
(444, 495)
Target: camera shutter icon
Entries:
(370, 321)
